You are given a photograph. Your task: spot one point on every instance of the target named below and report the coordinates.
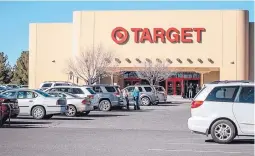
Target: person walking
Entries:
(136, 94)
(190, 90)
(125, 95)
(197, 88)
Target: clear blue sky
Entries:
(16, 16)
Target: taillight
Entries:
(2, 99)
(85, 102)
(196, 104)
(117, 94)
(91, 96)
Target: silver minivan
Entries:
(148, 94)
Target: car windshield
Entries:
(43, 93)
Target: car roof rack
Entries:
(231, 81)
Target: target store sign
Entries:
(121, 35)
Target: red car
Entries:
(8, 108)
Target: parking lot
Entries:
(154, 130)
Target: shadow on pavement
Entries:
(56, 118)
(69, 118)
(168, 105)
(131, 109)
(236, 141)
(26, 122)
(104, 115)
(21, 126)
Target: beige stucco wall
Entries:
(251, 51)
(48, 42)
(225, 41)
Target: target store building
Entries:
(199, 46)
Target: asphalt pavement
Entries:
(155, 130)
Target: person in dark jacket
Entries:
(190, 91)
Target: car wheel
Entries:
(223, 131)
(105, 105)
(145, 101)
(14, 116)
(71, 112)
(48, 116)
(38, 112)
(3, 120)
(86, 113)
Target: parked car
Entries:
(81, 91)
(8, 108)
(108, 96)
(37, 103)
(224, 111)
(76, 105)
(148, 94)
(49, 84)
(161, 93)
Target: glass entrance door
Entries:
(178, 88)
(170, 89)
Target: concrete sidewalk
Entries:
(177, 98)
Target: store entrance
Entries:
(194, 84)
(174, 86)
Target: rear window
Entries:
(148, 89)
(77, 91)
(160, 89)
(61, 84)
(47, 85)
(110, 89)
(223, 94)
(91, 91)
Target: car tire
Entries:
(105, 105)
(71, 112)
(145, 101)
(223, 131)
(14, 116)
(86, 113)
(4, 119)
(38, 112)
(48, 116)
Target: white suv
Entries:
(223, 110)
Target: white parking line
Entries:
(196, 151)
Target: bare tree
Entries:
(91, 64)
(154, 72)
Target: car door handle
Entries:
(30, 100)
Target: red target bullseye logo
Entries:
(120, 35)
